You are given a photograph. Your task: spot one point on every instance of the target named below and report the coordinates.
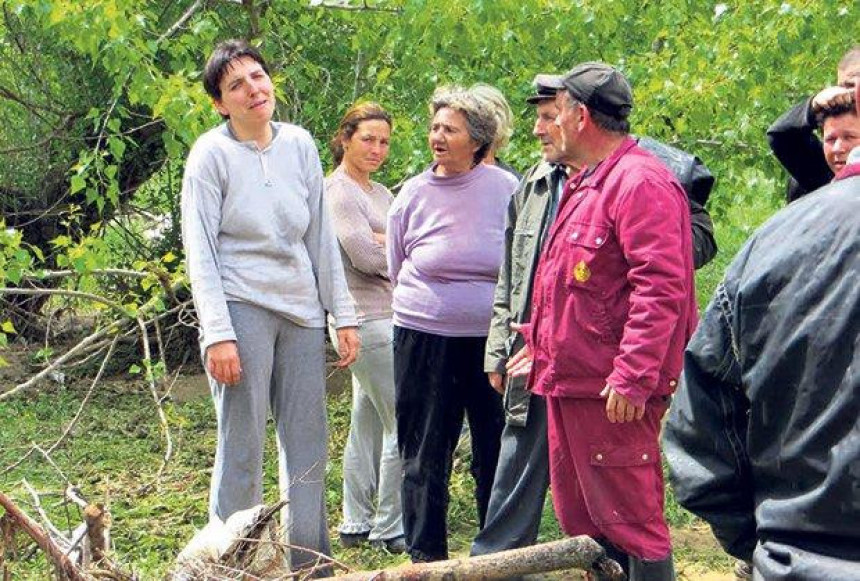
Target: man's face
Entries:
(840, 135)
(849, 76)
(568, 122)
(547, 131)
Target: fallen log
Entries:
(574, 553)
(68, 570)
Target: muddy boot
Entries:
(642, 570)
(616, 555)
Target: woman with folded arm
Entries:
(358, 207)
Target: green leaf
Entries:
(134, 369)
(8, 327)
(76, 184)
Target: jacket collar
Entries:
(542, 171)
(595, 176)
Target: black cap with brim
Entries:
(600, 87)
(546, 86)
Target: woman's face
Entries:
(452, 146)
(367, 148)
(247, 95)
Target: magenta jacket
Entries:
(614, 299)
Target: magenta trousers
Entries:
(607, 479)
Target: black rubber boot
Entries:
(642, 570)
(616, 555)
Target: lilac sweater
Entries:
(445, 246)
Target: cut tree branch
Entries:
(162, 417)
(38, 534)
(77, 416)
(68, 293)
(582, 553)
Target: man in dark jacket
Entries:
(763, 438)
(792, 137)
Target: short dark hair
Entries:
(359, 112)
(602, 120)
(835, 111)
(219, 61)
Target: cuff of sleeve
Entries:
(343, 322)
(209, 339)
(810, 114)
(494, 365)
(634, 392)
(526, 332)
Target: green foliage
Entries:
(101, 99)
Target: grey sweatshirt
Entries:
(255, 230)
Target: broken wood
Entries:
(64, 565)
(574, 553)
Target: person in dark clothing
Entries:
(792, 137)
(762, 437)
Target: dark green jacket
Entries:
(525, 227)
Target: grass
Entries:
(116, 449)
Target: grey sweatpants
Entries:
(519, 489)
(283, 369)
(372, 471)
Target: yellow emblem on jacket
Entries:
(581, 272)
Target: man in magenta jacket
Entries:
(613, 308)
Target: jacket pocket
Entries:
(587, 279)
(626, 483)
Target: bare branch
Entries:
(80, 347)
(63, 292)
(181, 22)
(162, 417)
(34, 108)
(51, 274)
(363, 7)
(77, 415)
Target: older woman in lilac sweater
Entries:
(445, 242)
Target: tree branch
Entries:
(364, 7)
(38, 534)
(63, 292)
(186, 16)
(77, 416)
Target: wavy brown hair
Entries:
(359, 112)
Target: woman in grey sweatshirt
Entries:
(264, 267)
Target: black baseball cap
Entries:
(601, 87)
(546, 86)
